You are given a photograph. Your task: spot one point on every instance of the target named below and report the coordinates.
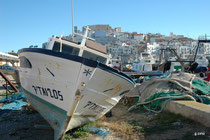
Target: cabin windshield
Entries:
(145, 55)
(93, 56)
(65, 48)
(147, 61)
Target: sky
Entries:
(32, 22)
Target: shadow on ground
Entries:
(18, 124)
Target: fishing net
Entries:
(166, 96)
(175, 86)
(205, 99)
(202, 86)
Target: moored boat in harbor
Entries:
(144, 63)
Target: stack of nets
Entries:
(176, 86)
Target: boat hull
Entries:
(69, 91)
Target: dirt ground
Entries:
(142, 125)
(123, 125)
(16, 125)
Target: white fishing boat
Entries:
(69, 83)
(144, 63)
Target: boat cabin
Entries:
(146, 58)
(90, 49)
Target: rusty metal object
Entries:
(8, 82)
(6, 90)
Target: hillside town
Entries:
(128, 46)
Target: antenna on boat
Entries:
(72, 19)
(85, 36)
(60, 38)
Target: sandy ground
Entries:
(119, 125)
(16, 125)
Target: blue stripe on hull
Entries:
(55, 116)
(59, 110)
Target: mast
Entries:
(72, 18)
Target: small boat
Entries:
(144, 63)
(69, 83)
(115, 63)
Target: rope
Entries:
(163, 107)
(167, 97)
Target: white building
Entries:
(138, 37)
(206, 48)
(9, 59)
(99, 33)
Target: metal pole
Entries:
(6, 90)
(72, 18)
